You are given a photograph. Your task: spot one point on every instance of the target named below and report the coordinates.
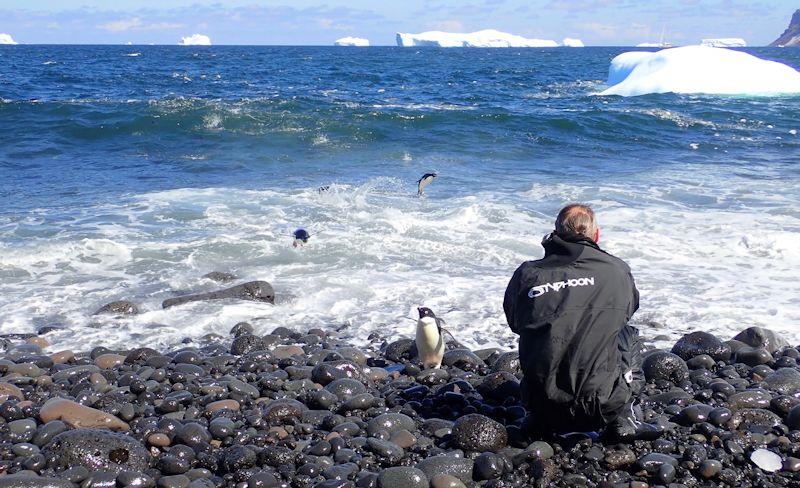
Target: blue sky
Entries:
(320, 22)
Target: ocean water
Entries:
(130, 172)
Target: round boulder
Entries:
(761, 338)
(97, 450)
(663, 365)
(402, 477)
(697, 343)
(475, 432)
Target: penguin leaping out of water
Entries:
(426, 180)
(301, 237)
(430, 341)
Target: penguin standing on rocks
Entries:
(426, 180)
(430, 342)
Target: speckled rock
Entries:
(120, 307)
(663, 365)
(96, 449)
(475, 432)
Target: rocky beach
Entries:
(303, 408)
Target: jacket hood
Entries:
(566, 244)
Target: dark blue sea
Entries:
(129, 172)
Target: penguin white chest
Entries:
(430, 344)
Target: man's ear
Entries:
(597, 235)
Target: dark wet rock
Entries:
(785, 381)
(120, 307)
(390, 422)
(488, 466)
(97, 449)
(499, 386)
(752, 356)
(462, 359)
(345, 388)
(260, 291)
(479, 433)
(694, 414)
(21, 481)
(698, 343)
(793, 419)
(283, 409)
(220, 276)
(666, 366)
(246, 343)
(755, 398)
(193, 434)
(238, 458)
(710, 468)
(759, 337)
(399, 350)
(654, 461)
(508, 361)
(402, 477)
(460, 468)
(387, 450)
(748, 418)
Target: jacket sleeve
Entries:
(634, 303)
(510, 300)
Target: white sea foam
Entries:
(699, 69)
(708, 254)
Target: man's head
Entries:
(577, 218)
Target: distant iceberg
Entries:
(570, 42)
(484, 38)
(6, 39)
(654, 44)
(352, 41)
(699, 69)
(727, 42)
(195, 40)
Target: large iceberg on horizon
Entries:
(570, 42)
(6, 39)
(195, 40)
(726, 42)
(484, 38)
(699, 69)
(352, 41)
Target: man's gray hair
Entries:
(576, 218)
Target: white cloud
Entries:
(122, 25)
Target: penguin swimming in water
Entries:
(426, 180)
(300, 238)
(430, 342)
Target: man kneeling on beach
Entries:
(581, 361)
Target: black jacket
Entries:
(569, 308)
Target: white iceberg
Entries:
(6, 39)
(699, 69)
(653, 44)
(484, 38)
(570, 42)
(352, 41)
(195, 40)
(726, 42)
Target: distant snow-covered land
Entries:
(699, 69)
(570, 42)
(726, 42)
(6, 39)
(195, 40)
(484, 38)
(352, 41)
